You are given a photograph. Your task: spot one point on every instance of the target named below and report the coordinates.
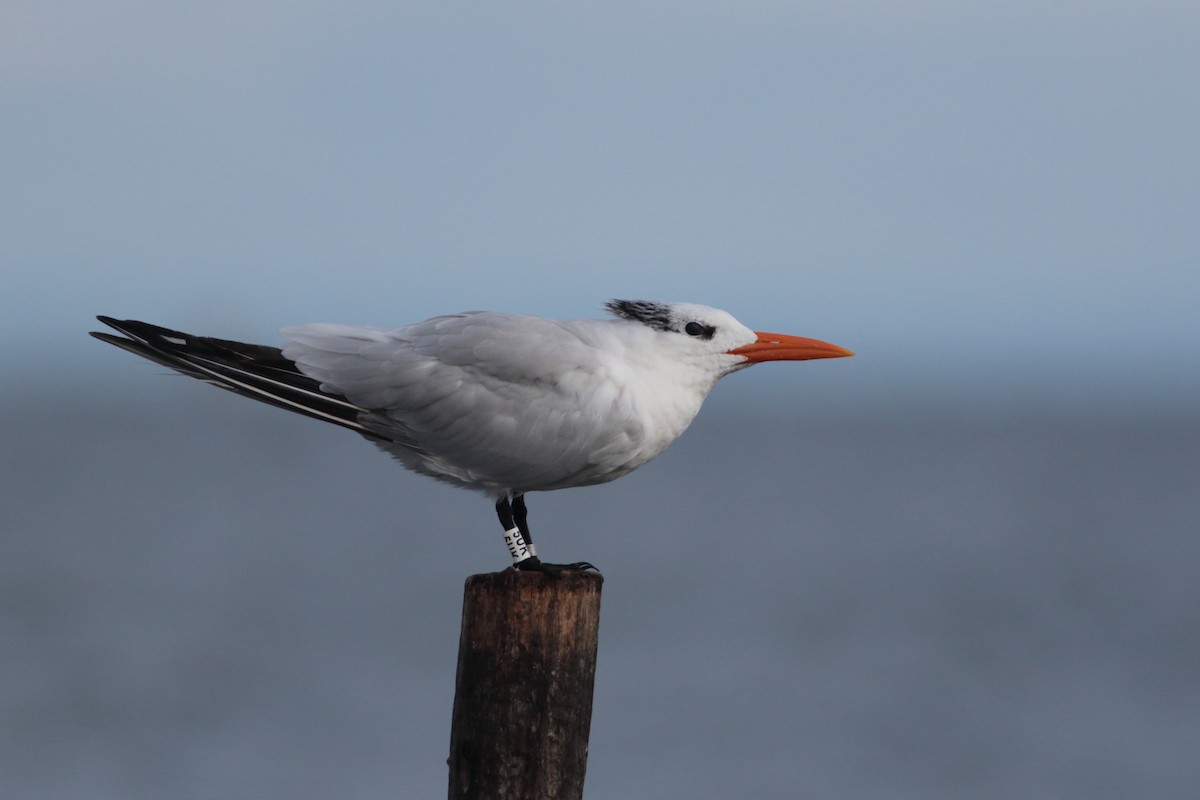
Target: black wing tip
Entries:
(255, 371)
(110, 322)
(121, 326)
(106, 337)
(124, 326)
(150, 334)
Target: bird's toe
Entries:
(535, 564)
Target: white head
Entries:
(716, 337)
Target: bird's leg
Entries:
(513, 536)
(515, 518)
(521, 519)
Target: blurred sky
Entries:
(986, 200)
(972, 195)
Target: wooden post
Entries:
(523, 696)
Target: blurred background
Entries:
(961, 564)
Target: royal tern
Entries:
(501, 403)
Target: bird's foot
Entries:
(535, 564)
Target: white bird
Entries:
(501, 403)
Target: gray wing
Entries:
(496, 401)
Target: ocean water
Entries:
(205, 598)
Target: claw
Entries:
(535, 564)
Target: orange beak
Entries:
(781, 347)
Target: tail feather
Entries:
(251, 370)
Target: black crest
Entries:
(647, 312)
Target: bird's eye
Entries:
(693, 329)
